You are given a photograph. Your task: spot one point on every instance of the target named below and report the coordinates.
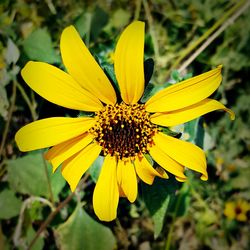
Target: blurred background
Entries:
(184, 38)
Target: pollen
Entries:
(124, 130)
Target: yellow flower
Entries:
(124, 132)
(237, 210)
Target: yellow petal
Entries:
(128, 62)
(78, 164)
(241, 217)
(106, 194)
(58, 87)
(229, 210)
(146, 172)
(189, 113)
(185, 93)
(167, 162)
(186, 153)
(82, 66)
(127, 180)
(244, 205)
(61, 152)
(51, 131)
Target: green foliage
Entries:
(9, 204)
(194, 210)
(95, 169)
(38, 46)
(157, 199)
(26, 175)
(80, 231)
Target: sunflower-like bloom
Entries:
(124, 132)
(237, 210)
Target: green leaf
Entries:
(157, 199)
(109, 70)
(80, 231)
(57, 181)
(148, 69)
(150, 90)
(95, 168)
(12, 53)
(98, 22)
(179, 203)
(30, 234)
(4, 103)
(9, 204)
(27, 175)
(4, 242)
(38, 46)
(83, 23)
(195, 131)
(175, 75)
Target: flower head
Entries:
(237, 210)
(124, 132)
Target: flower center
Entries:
(124, 130)
(238, 210)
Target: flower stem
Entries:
(171, 229)
(48, 180)
(28, 102)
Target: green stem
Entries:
(196, 43)
(48, 180)
(28, 102)
(171, 229)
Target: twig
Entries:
(214, 36)
(151, 29)
(11, 109)
(28, 102)
(49, 219)
(196, 43)
(48, 180)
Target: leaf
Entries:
(175, 75)
(98, 22)
(83, 23)
(150, 90)
(30, 234)
(109, 70)
(95, 169)
(9, 204)
(12, 53)
(38, 46)
(4, 103)
(4, 244)
(196, 132)
(148, 69)
(157, 199)
(80, 231)
(27, 175)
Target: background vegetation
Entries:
(37, 209)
